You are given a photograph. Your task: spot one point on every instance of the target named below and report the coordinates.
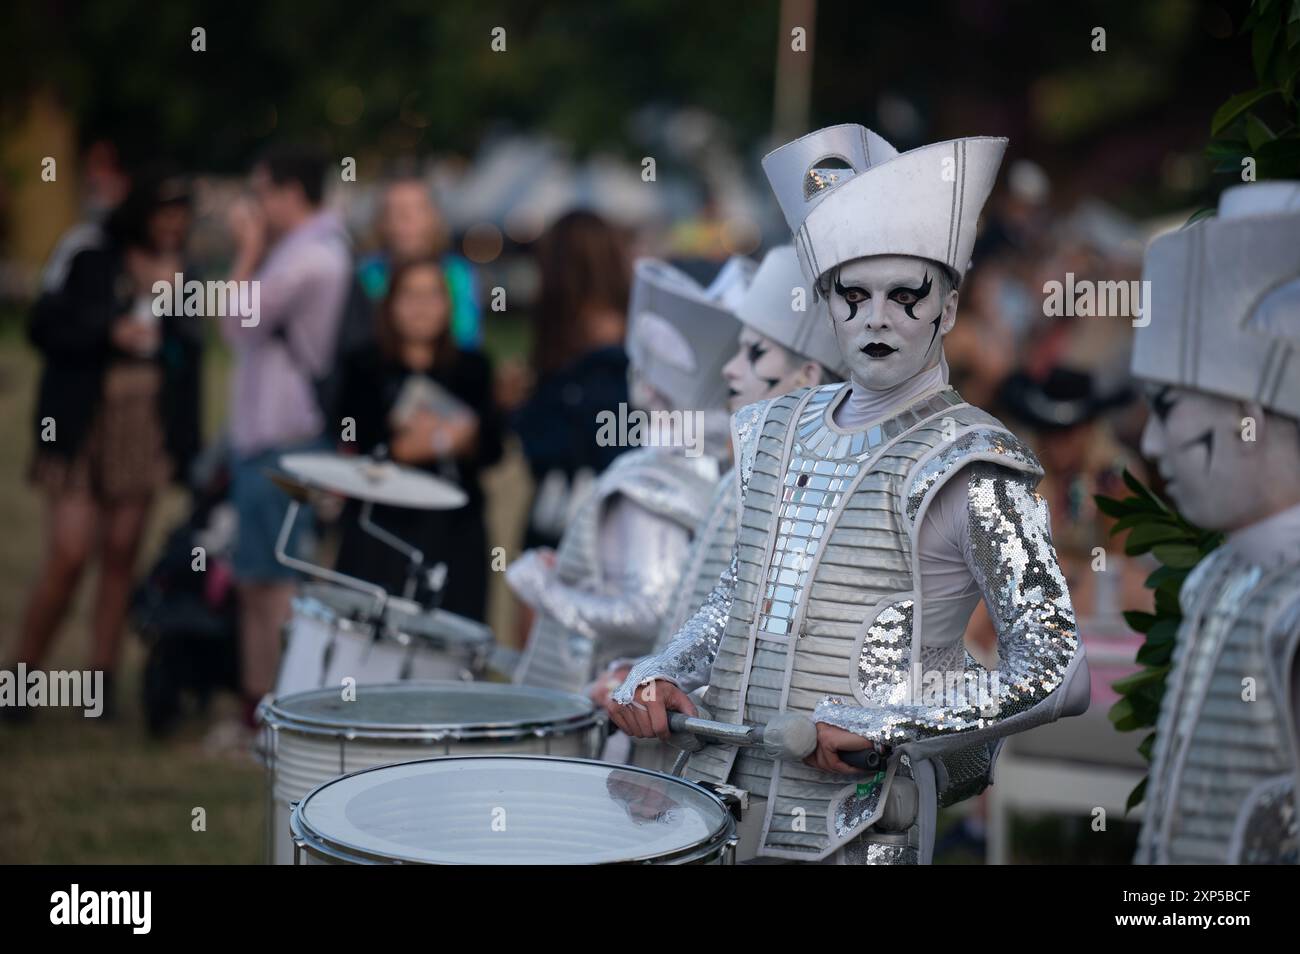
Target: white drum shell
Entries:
(324, 645)
(300, 758)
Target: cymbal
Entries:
(363, 478)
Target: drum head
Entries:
(446, 629)
(511, 810)
(451, 710)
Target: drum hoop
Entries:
(390, 629)
(404, 638)
(443, 733)
(716, 843)
(330, 617)
(278, 719)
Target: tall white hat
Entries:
(780, 306)
(680, 333)
(924, 203)
(1223, 306)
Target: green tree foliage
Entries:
(1263, 123)
(393, 76)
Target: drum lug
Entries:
(736, 799)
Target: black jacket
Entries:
(558, 425)
(369, 387)
(71, 328)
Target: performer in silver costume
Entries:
(1217, 356)
(785, 343)
(873, 517)
(600, 596)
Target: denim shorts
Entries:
(261, 507)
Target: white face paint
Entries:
(761, 369)
(1196, 441)
(890, 317)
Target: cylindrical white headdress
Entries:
(680, 333)
(924, 203)
(1223, 304)
(779, 305)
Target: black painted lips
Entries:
(878, 349)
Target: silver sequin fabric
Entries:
(856, 809)
(688, 657)
(1015, 567)
(984, 442)
(1270, 835)
(862, 851)
(745, 427)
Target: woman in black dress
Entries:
(117, 414)
(432, 406)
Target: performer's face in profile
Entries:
(760, 369)
(890, 313)
(1196, 440)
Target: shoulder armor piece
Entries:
(987, 440)
(667, 484)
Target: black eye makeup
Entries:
(1162, 403)
(1208, 440)
(851, 294)
(754, 352)
(909, 298)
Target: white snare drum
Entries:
(511, 810)
(332, 636)
(314, 736)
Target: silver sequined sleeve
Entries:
(686, 660)
(1010, 554)
(642, 553)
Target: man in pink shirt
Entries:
(299, 255)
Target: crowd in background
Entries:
(387, 331)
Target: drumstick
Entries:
(717, 731)
(787, 735)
